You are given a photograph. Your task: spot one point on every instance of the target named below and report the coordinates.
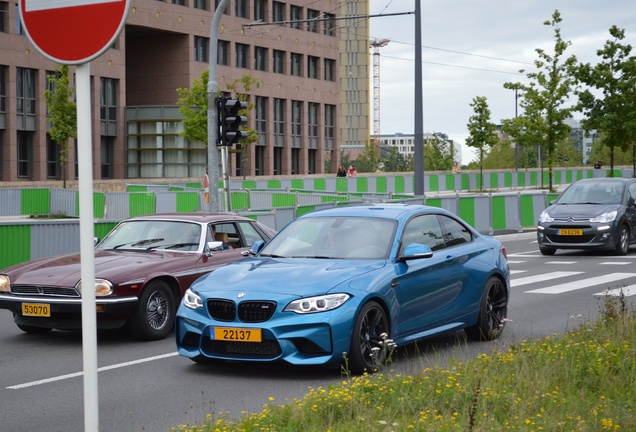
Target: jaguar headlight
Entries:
(191, 300)
(317, 304)
(5, 283)
(102, 287)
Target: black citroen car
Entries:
(598, 213)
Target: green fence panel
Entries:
(498, 213)
(450, 182)
(380, 184)
(467, 210)
(36, 201)
(273, 184)
(557, 178)
(479, 182)
(196, 185)
(521, 178)
(579, 174)
(99, 201)
(434, 202)
(239, 200)
(332, 198)
(465, 182)
(17, 239)
(362, 184)
(247, 184)
(527, 211)
(568, 176)
(141, 204)
(341, 184)
(551, 197)
(304, 210)
(283, 200)
(546, 177)
(494, 180)
(298, 184)
(103, 228)
(187, 202)
(136, 188)
(399, 184)
(433, 183)
(320, 184)
(508, 179)
(533, 178)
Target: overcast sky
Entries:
(471, 48)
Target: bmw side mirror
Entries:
(416, 251)
(256, 247)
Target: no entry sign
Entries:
(73, 31)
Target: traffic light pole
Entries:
(213, 114)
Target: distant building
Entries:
(405, 143)
(165, 45)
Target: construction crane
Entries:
(377, 44)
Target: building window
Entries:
(312, 125)
(278, 160)
(179, 2)
(201, 4)
(261, 119)
(312, 26)
(279, 62)
(107, 152)
(52, 158)
(296, 64)
(25, 154)
(4, 14)
(18, 22)
(259, 160)
(279, 122)
(259, 10)
(295, 160)
(295, 14)
(330, 129)
(242, 55)
(108, 106)
(311, 161)
(223, 53)
(240, 8)
(260, 58)
(312, 67)
(330, 70)
(297, 123)
(278, 11)
(201, 48)
(330, 24)
(25, 98)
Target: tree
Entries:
(438, 154)
(368, 160)
(481, 131)
(62, 113)
(500, 155)
(544, 99)
(396, 162)
(613, 112)
(193, 106)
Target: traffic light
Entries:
(231, 121)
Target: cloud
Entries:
(472, 48)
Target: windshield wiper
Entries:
(173, 246)
(272, 256)
(138, 243)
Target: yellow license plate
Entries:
(37, 310)
(237, 334)
(570, 232)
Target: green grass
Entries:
(584, 380)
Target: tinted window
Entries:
(250, 233)
(454, 232)
(424, 230)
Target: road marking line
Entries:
(561, 262)
(581, 284)
(541, 278)
(627, 291)
(615, 263)
(515, 262)
(101, 369)
(517, 271)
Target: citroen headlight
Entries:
(102, 287)
(545, 217)
(317, 304)
(605, 217)
(191, 300)
(5, 283)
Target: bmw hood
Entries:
(301, 276)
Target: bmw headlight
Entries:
(605, 217)
(317, 304)
(102, 287)
(545, 217)
(191, 300)
(5, 283)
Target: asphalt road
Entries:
(147, 387)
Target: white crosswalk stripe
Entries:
(582, 283)
(541, 278)
(626, 291)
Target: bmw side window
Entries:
(424, 230)
(454, 232)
